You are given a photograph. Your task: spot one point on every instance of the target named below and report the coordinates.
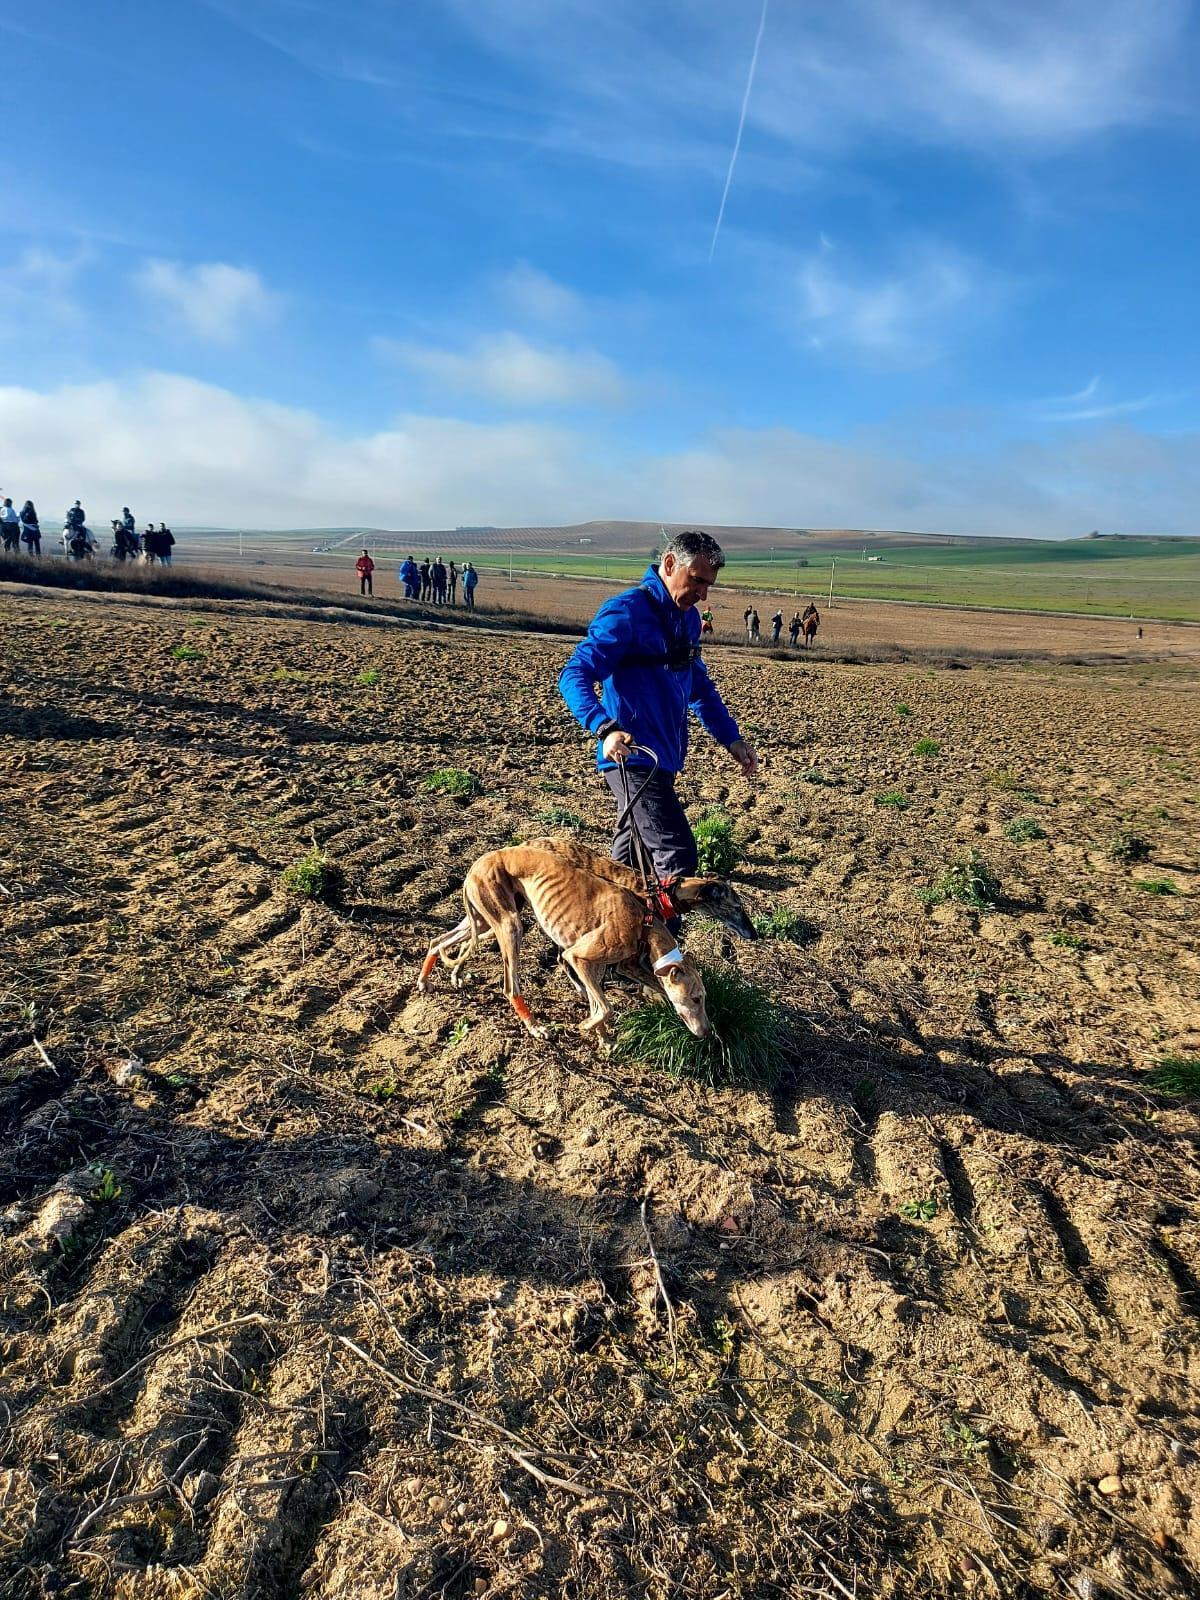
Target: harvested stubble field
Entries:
(314, 1287)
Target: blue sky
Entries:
(458, 261)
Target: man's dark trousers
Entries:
(661, 821)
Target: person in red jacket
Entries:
(364, 566)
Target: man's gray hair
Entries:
(686, 546)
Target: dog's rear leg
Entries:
(508, 937)
(440, 947)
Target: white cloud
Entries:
(508, 369)
(195, 453)
(896, 317)
(534, 294)
(214, 301)
(40, 285)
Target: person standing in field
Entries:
(426, 579)
(165, 541)
(776, 627)
(746, 615)
(754, 627)
(10, 526)
(794, 629)
(437, 574)
(706, 621)
(451, 583)
(642, 649)
(364, 566)
(470, 578)
(31, 532)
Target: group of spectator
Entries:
(433, 581)
(78, 542)
(806, 623)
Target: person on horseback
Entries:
(810, 622)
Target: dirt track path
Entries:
(924, 1304)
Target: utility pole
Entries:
(832, 570)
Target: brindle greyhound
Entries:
(596, 924)
(711, 895)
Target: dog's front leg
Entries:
(591, 975)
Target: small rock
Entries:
(436, 1504)
(199, 1488)
(129, 1069)
(481, 1585)
(1110, 1484)
(1160, 1539)
(413, 1486)
(1179, 1453)
(588, 1138)
(500, 1528)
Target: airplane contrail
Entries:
(737, 143)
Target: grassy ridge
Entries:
(1146, 578)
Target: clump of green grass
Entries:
(1177, 1075)
(1012, 783)
(1022, 829)
(1156, 885)
(452, 781)
(927, 747)
(107, 1188)
(896, 799)
(903, 710)
(718, 849)
(1128, 847)
(922, 1210)
(813, 775)
(1068, 941)
(970, 881)
(186, 652)
(369, 677)
(315, 876)
(786, 925)
(560, 817)
(744, 1046)
(289, 675)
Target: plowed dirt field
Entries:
(311, 1286)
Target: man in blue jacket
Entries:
(642, 648)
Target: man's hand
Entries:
(617, 746)
(746, 757)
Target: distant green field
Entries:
(1152, 578)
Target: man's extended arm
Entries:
(714, 718)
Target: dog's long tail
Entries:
(476, 924)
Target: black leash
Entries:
(651, 884)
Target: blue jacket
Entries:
(409, 572)
(624, 652)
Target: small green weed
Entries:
(743, 1047)
(903, 710)
(107, 1188)
(1011, 782)
(814, 775)
(927, 747)
(1177, 1075)
(970, 881)
(967, 1440)
(788, 926)
(920, 1210)
(1022, 829)
(289, 675)
(1068, 941)
(186, 652)
(719, 852)
(1156, 885)
(452, 781)
(895, 799)
(1128, 848)
(560, 817)
(314, 876)
(460, 1031)
(369, 677)
(384, 1090)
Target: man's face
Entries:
(689, 585)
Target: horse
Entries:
(810, 624)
